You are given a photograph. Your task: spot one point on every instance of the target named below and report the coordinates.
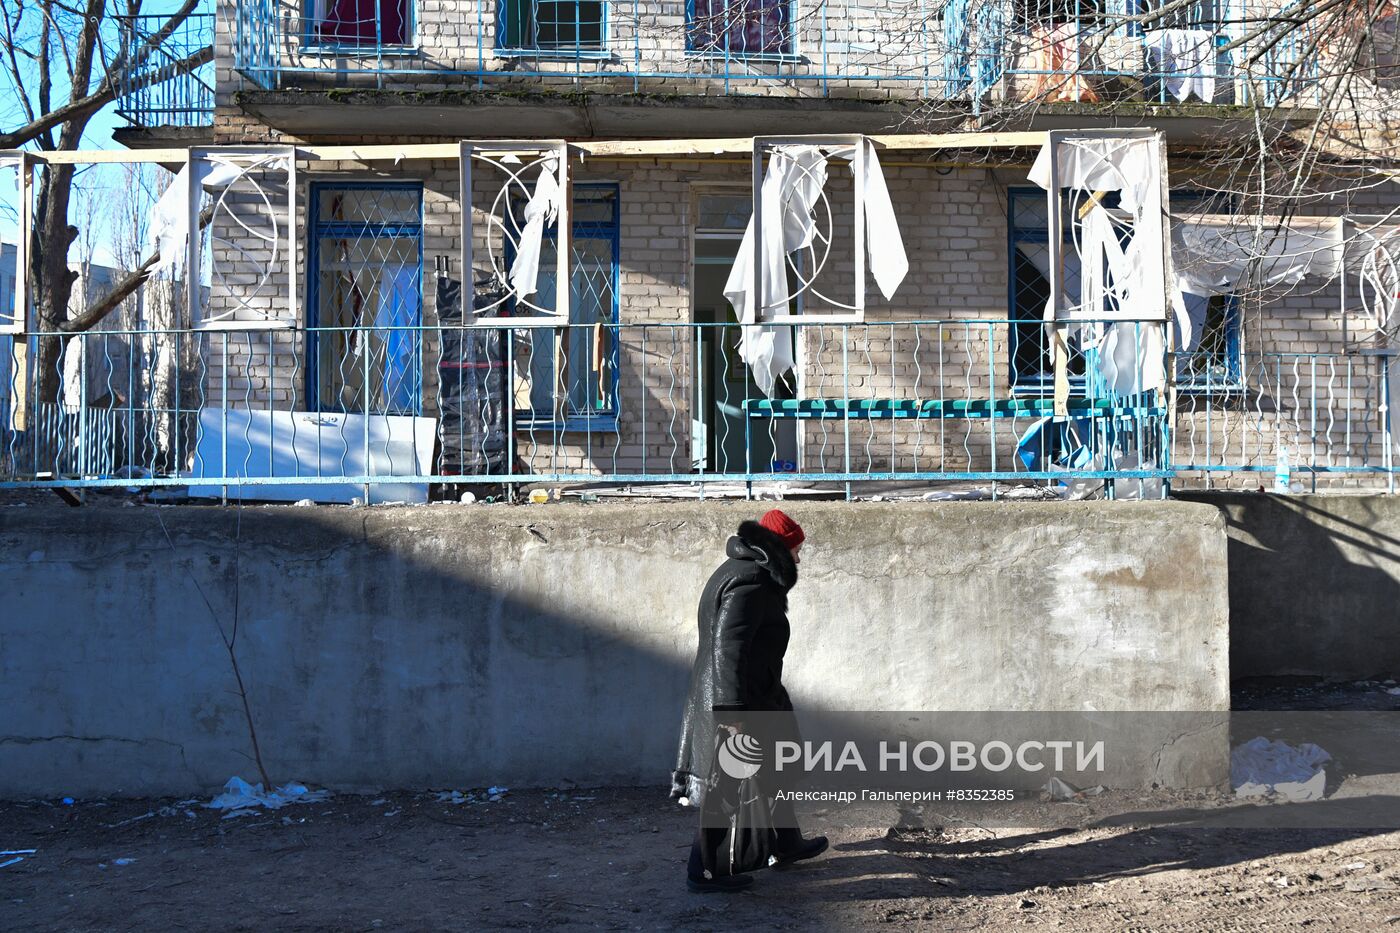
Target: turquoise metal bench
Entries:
(874, 409)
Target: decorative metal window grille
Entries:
(365, 290)
(740, 27)
(806, 266)
(242, 261)
(513, 195)
(368, 23)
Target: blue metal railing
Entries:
(916, 401)
(1287, 420)
(159, 91)
(968, 50)
(919, 401)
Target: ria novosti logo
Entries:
(740, 756)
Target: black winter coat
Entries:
(739, 660)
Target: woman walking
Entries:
(738, 669)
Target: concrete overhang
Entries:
(488, 113)
(1191, 124)
(163, 137)
(510, 113)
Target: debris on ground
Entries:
(18, 856)
(1262, 767)
(514, 865)
(240, 797)
(1057, 789)
(492, 794)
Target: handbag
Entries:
(740, 807)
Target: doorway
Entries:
(722, 439)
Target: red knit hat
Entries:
(785, 528)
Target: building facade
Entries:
(646, 378)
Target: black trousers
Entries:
(704, 850)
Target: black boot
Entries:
(805, 849)
(727, 884)
(695, 873)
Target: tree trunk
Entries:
(53, 280)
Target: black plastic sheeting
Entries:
(472, 390)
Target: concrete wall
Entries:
(1314, 584)
(468, 645)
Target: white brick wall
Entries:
(955, 232)
(867, 49)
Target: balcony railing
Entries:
(915, 402)
(920, 401)
(1289, 422)
(980, 52)
(161, 92)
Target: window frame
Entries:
(14, 319)
(502, 49)
(1041, 382)
(1233, 319)
(313, 288)
(792, 54)
(312, 43)
(602, 422)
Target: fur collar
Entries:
(758, 544)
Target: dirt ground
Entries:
(614, 859)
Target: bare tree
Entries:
(65, 65)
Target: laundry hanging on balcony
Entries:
(1186, 61)
(1055, 58)
(792, 187)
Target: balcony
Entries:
(169, 97)
(583, 67)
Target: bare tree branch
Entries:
(123, 289)
(105, 94)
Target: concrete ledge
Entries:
(469, 645)
(537, 111)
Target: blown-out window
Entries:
(567, 377)
(1212, 360)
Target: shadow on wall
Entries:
(454, 646)
(1314, 584)
(403, 652)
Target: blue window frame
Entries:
(740, 28)
(559, 27)
(1214, 363)
(578, 389)
(359, 24)
(365, 298)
